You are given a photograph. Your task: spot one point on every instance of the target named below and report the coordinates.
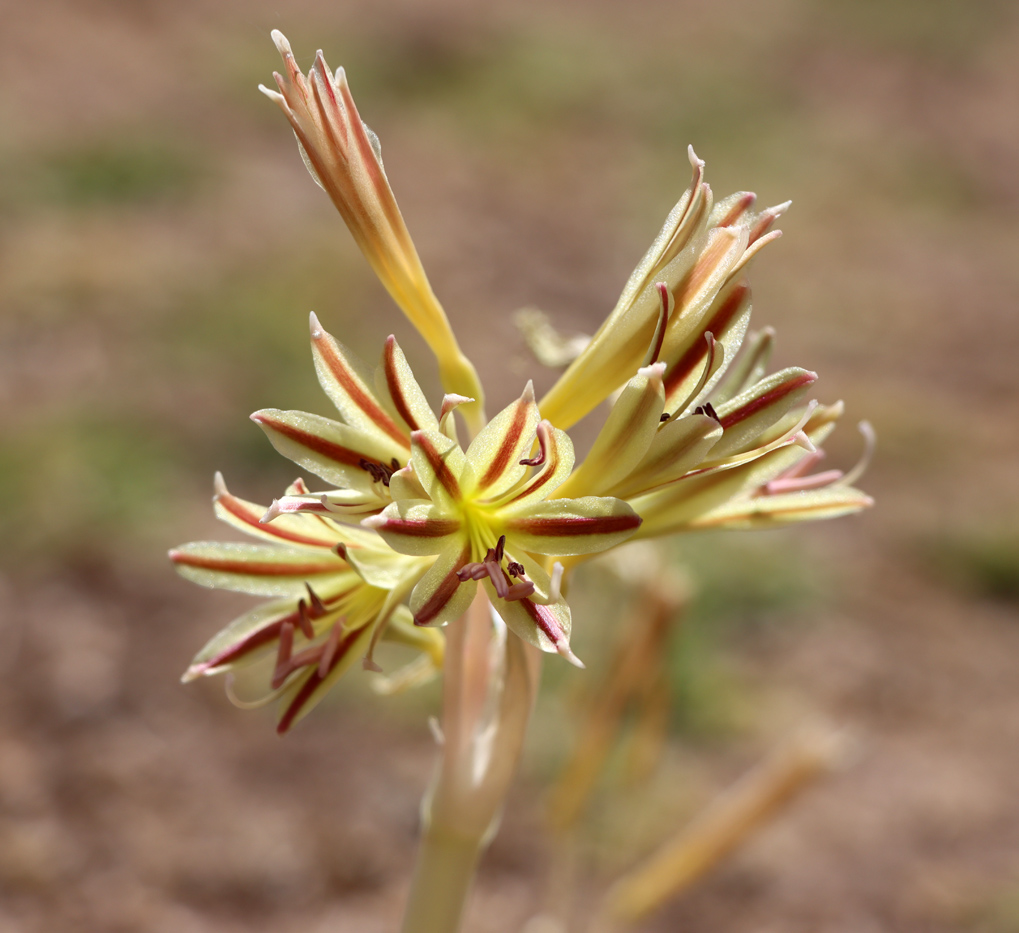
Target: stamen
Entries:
(500, 548)
(514, 569)
(799, 483)
(707, 409)
(228, 686)
(543, 429)
(286, 645)
(870, 443)
(380, 473)
(667, 303)
(325, 662)
(519, 591)
(498, 579)
(555, 587)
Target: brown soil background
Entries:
(160, 247)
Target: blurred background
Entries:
(160, 247)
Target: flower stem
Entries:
(442, 882)
(490, 678)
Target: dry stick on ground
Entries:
(726, 824)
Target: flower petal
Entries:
(569, 526)
(748, 368)
(686, 381)
(329, 449)
(395, 379)
(438, 465)
(618, 348)
(679, 446)
(545, 626)
(439, 596)
(346, 381)
(254, 634)
(385, 568)
(768, 511)
(259, 569)
(295, 530)
(416, 526)
(309, 687)
(676, 506)
(750, 413)
(494, 455)
(695, 293)
(628, 432)
(552, 473)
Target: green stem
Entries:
(442, 882)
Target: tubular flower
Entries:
(698, 435)
(345, 158)
(333, 591)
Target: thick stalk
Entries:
(442, 882)
(490, 681)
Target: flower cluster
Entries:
(412, 521)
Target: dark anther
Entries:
(665, 417)
(499, 548)
(707, 409)
(317, 606)
(303, 621)
(380, 473)
(514, 569)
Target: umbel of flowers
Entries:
(403, 520)
(699, 434)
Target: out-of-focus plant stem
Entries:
(726, 824)
(490, 680)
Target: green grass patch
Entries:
(106, 173)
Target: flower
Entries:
(477, 508)
(699, 435)
(345, 158)
(321, 603)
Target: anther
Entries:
(303, 621)
(514, 569)
(317, 606)
(707, 409)
(380, 472)
(500, 548)
(519, 591)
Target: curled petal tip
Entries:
(219, 485)
(315, 325)
(567, 653)
(275, 96)
(695, 161)
(528, 393)
(373, 521)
